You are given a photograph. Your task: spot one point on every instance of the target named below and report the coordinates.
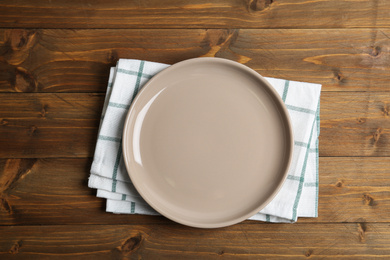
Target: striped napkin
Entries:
(298, 196)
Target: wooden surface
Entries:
(48, 60)
(247, 240)
(54, 63)
(195, 14)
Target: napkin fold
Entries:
(298, 196)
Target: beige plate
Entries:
(207, 142)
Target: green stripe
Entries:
(137, 83)
(317, 157)
(310, 184)
(267, 218)
(113, 104)
(119, 154)
(318, 118)
(116, 166)
(109, 138)
(134, 73)
(123, 196)
(109, 85)
(302, 144)
(285, 90)
(132, 207)
(300, 109)
(298, 196)
(294, 178)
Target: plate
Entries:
(207, 142)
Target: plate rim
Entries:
(285, 118)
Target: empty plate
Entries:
(207, 142)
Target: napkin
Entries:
(298, 196)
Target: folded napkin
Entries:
(298, 196)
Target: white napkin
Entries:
(298, 196)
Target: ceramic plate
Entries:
(207, 142)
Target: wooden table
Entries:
(54, 62)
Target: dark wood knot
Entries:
(361, 120)
(259, 5)
(377, 135)
(5, 206)
(24, 81)
(15, 248)
(386, 110)
(339, 76)
(44, 110)
(218, 37)
(308, 253)
(375, 51)
(131, 244)
(368, 200)
(19, 38)
(3, 122)
(32, 130)
(362, 228)
(17, 45)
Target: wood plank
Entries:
(54, 191)
(202, 14)
(249, 241)
(354, 189)
(355, 124)
(38, 125)
(52, 125)
(79, 60)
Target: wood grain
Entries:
(45, 60)
(65, 125)
(54, 191)
(249, 241)
(47, 138)
(53, 125)
(201, 14)
(355, 124)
